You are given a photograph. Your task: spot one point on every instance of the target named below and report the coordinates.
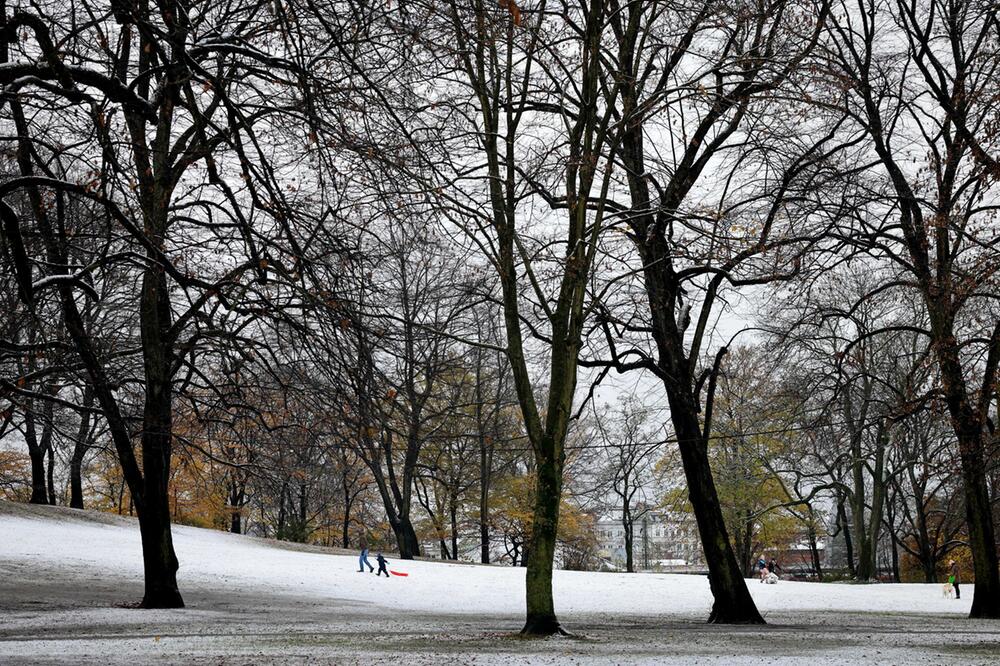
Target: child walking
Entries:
(381, 565)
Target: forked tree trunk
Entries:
(406, 537)
(36, 454)
(80, 448)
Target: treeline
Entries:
(327, 250)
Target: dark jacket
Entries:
(363, 542)
(381, 561)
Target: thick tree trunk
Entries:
(970, 430)
(733, 603)
(979, 517)
(159, 560)
(406, 537)
(540, 557)
(236, 523)
(76, 478)
(39, 491)
(36, 455)
(930, 570)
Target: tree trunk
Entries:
(345, 527)
(628, 526)
(235, 523)
(159, 560)
(48, 428)
(36, 454)
(733, 603)
(929, 564)
(39, 492)
(970, 430)
(406, 537)
(80, 448)
(814, 553)
(541, 615)
(484, 497)
(76, 478)
(848, 541)
(454, 529)
(50, 474)
(484, 537)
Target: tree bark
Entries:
(970, 429)
(541, 615)
(80, 448)
(629, 527)
(36, 455)
(814, 553)
(159, 560)
(484, 501)
(733, 603)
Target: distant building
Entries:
(662, 540)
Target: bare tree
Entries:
(920, 207)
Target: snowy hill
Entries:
(87, 549)
(64, 576)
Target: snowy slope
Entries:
(109, 550)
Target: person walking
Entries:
(363, 558)
(381, 565)
(953, 577)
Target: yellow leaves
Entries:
(513, 9)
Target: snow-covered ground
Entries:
(63, 575)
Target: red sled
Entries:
(398, 573)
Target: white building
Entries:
(662, 540)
